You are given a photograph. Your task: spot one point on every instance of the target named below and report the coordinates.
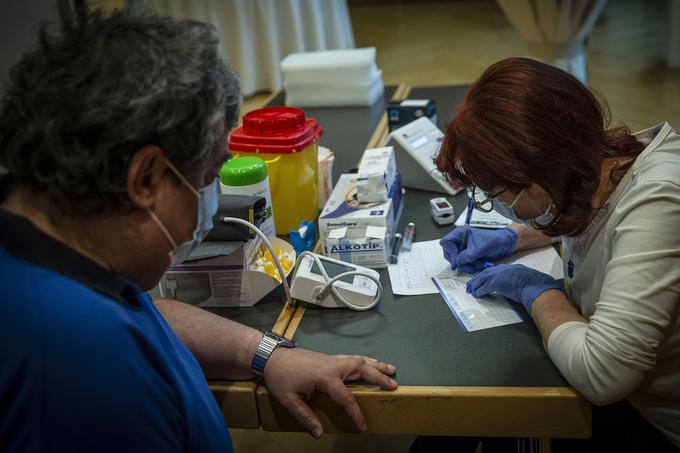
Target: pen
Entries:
(409, 236)
(468, 217)
(394, 257)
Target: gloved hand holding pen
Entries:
(471, 248)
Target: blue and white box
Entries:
(359, 233)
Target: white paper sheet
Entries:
(413, 273)
(475, 314)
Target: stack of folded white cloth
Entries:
(347, 77)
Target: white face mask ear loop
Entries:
(546, 212)
(551, 205)
(163, 229)
(181, 177)
(519, 195)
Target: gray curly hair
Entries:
(79, 105)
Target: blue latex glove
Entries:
(514, 281)
(482, 246)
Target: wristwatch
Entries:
(269, 342)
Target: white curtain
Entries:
(555, 30)
(256, 35)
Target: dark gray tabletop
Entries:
(261, 316)
(419, 334)
(422, 338)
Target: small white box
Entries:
(342, 77)
(338, 66)
(325, 93)
(359, 233)
(217, 274)
(376, 175)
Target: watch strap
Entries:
(269, 342)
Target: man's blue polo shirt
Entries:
(87, 362)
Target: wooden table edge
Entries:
(448, 410)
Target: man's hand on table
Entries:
(294, 375)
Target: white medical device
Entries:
(416, 146)
(442, 211)
(325, 281)
(333, 283)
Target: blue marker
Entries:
(394, 257)
(468, 217)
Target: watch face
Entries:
(281, 341)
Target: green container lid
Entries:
(243, 171)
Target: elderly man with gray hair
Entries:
(113, 132)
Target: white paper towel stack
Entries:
(347, 77)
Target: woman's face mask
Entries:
(207, 208)
(508, 212)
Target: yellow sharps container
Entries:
(288, 143)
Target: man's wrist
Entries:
(250, 344)
(277, 356)
(269, 343)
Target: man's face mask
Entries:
(508, 212)
(205, 211)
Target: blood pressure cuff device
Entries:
(244, 207)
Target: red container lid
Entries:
(280, 130)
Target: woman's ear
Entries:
(145, 175)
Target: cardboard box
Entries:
(217, 275)
(359, 233)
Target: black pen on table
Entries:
(394, 257)
(468, 218)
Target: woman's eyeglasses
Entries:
(481, 201)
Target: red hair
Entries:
(525, 122)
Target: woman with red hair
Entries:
(532, 142)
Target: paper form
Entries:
(475, 314)
(412, 275)
(424, 270)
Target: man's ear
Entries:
(145, 174)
